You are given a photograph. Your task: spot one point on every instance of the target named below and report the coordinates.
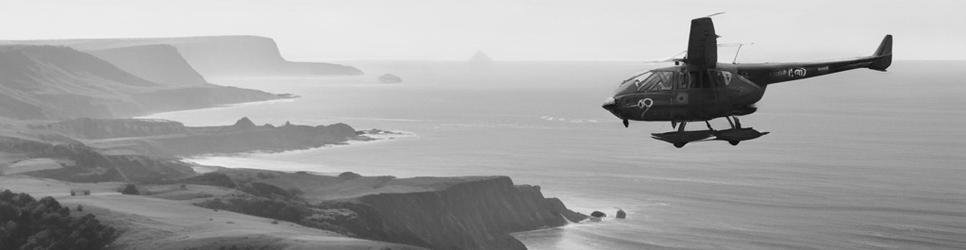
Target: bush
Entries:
(212, 179)
(26, 223)
(130, 189)
(270, 191)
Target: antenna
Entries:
(735, 60)
(715, 14)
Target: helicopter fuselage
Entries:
(699, 88)
(679, 94)
(692, 93)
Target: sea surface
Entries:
(857, 160)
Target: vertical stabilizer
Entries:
(883, 55)
(702, 43)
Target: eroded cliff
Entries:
(477, 214)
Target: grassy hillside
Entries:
(55, 82)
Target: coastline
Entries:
(153, 116)
(255, 160)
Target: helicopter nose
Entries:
(609, 104)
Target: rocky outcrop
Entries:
(244, 123)
(477, 214)
(218, 56)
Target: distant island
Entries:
(480, 58)
(390, 78)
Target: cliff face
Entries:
(218, 56)
(157, 63)
(54, 82)
(477, 214)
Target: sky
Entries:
(598, 30)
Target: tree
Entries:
(26, 223)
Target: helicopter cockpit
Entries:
(666, 80)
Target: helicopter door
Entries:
(719, 83)
(682, 87)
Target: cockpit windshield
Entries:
(648, 81)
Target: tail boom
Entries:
(773, 73)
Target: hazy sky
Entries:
(514, 29)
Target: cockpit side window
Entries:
(682, 80)
(660, 81)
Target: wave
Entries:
(567, 120)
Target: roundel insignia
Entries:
(682, 98)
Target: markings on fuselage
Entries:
(792, 72)
(645, 104)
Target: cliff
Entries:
(217, 56)
(55, 82)
(476, 214)
(159, 63)
(432, 212)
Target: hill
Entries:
(56, 82)
(216, 56)
(157, 63)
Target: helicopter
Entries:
(699, 88)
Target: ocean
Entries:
(856, 160)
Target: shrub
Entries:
(130, 189)
(26, 223)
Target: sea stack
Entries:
(390, 78)
(480, 58)
(244, 123)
